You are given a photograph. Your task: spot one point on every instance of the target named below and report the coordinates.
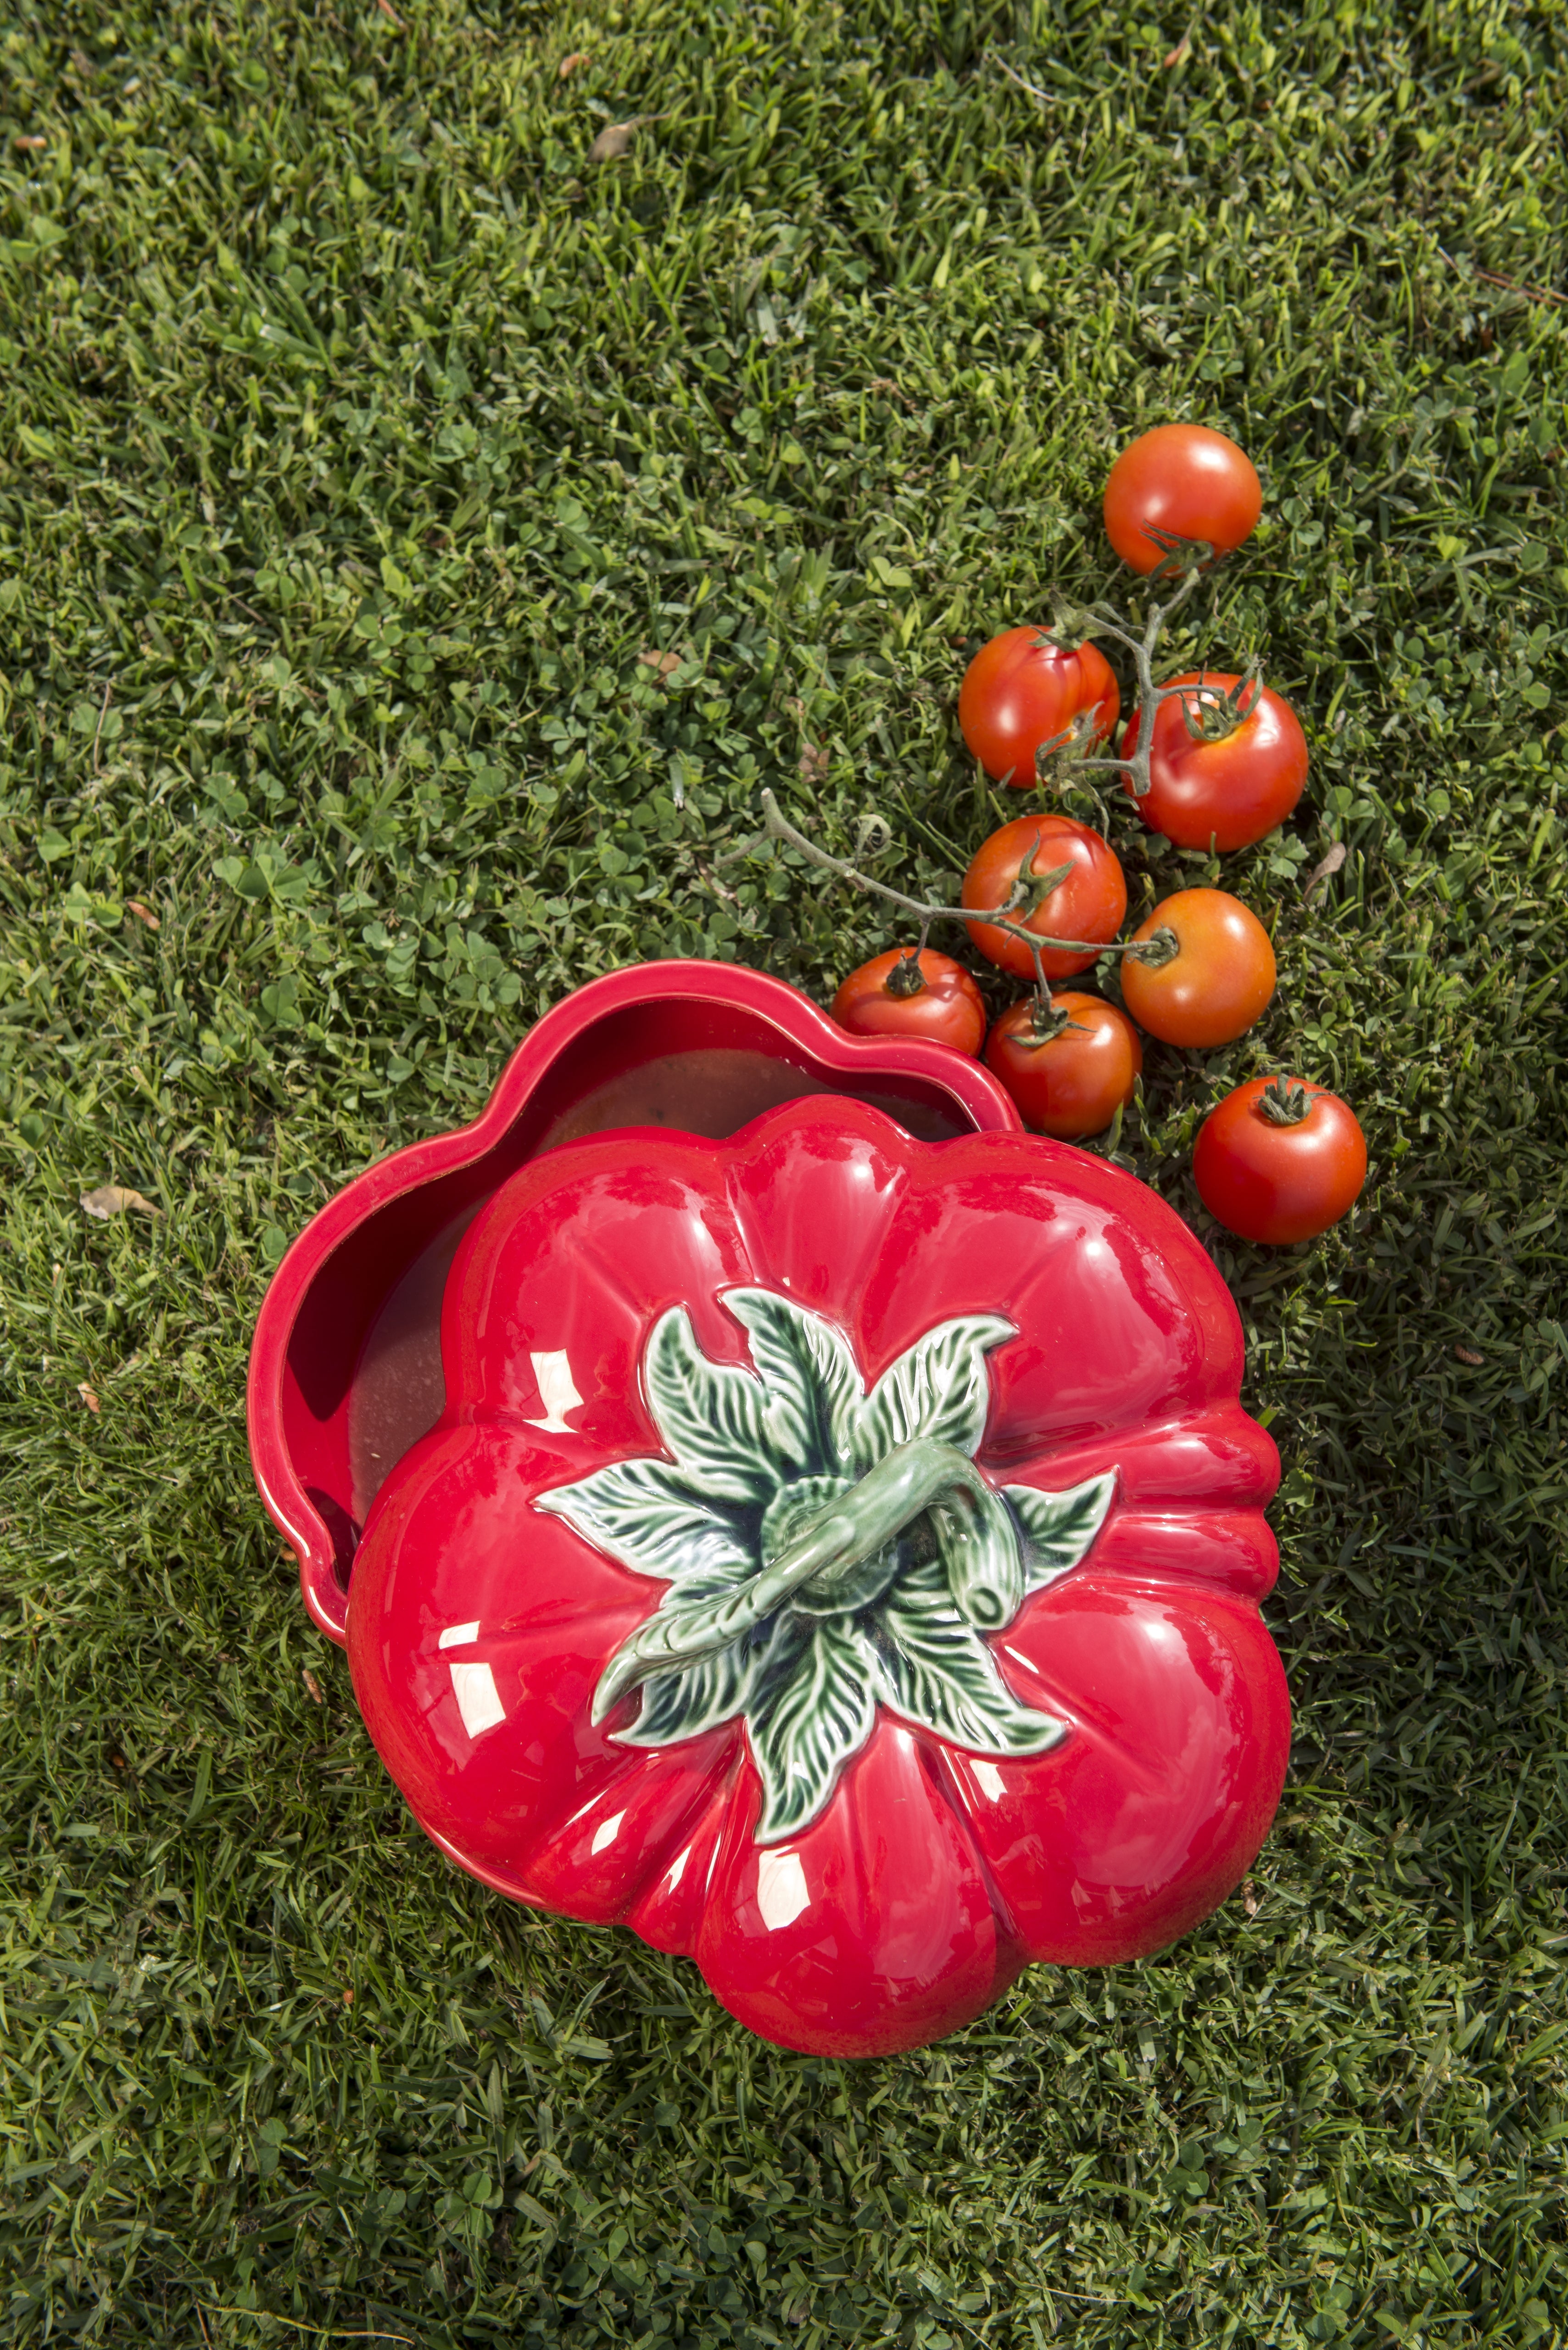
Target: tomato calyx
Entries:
(1072, 742)
(905, 978)
(1285, 1101)
(1029, 889)
(1071, 631)
(1154, 952)
(1046, 1023)
(1177, 555)
(1218, 715)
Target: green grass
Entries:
(358, 439)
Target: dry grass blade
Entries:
(88, 1396)
(1507, 284)
(1014, 76)
(616, 137)
(1325, 868)
(113, 1200)
(568, 65)
(614, 140)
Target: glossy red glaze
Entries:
(479, 1626)
(345, 1370)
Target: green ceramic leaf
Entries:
(735, 1680)
(686, 1628)
(1059, 1527)
(642, 1514)
(681, 1705)
(937, 1671)
(808, 1368)
(940, 1387)
(711, 1416)
(823, 1714)
(823, 1550)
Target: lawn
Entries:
(366, 450)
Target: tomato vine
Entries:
(1191, 558)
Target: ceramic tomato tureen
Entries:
(836, 1553)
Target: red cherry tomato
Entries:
(1231, 789)
(1180, 480)
(1072, 1083)
(1088, 903)
(946, 1006)
(1021, 690)
(1219, 980)
(1279, 1161)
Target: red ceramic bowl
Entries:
(345, 1370)
(831, 1548)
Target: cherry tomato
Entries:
(944, 1005)
(1180, 480)
(1279, 1161)
(1088, 903)
(1072, 1083)
(1218, 982)
(1231, 789)
(1021, 690)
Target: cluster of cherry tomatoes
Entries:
(1277, 1160)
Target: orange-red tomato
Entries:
(1219, 981)
(1073, 1083)
(1230, 790)
(1280, 1177)
(1088, 903)
(947, 1007)
(1180, 480)
(1021, 690)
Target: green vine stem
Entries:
(1162, 948)
(1216, 711)
(1099, 619)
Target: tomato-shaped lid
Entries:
(839, 1558)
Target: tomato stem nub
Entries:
(1030, 888)
(1047, 1021)
(1154, 952)
(1208, 714)
(907, 977)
